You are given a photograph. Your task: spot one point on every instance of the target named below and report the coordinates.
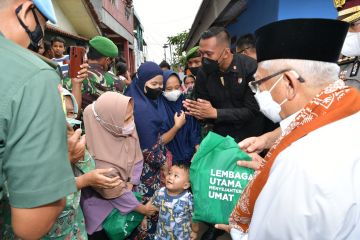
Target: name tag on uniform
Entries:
(222, 81)
(355, 69)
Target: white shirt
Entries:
(313, 191)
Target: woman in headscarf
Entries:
(145, 89)
(187, 139)
(113, 142)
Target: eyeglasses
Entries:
(254, 85)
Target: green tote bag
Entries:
(216, 180)
(118, 226)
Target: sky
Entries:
(163, 18)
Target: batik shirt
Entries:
(175, 213)
(97, 83)
(70, 225)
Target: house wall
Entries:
(117, 11)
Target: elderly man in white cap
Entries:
(308, 185)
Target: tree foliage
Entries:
(177, 42)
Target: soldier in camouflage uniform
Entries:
(101, 54)
(349, 11)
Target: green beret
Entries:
(193, 53)
(104, 46)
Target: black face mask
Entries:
(37, 35)
(209, 65)
(194, 70)
(153, 93)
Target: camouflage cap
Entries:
(104, 46)
(192, 53)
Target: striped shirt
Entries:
(64, 64)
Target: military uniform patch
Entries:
(339, 3)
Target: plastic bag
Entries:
(216, 180)
(118, 226)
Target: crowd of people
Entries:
(73, 149)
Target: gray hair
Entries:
(316, 74)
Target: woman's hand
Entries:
(128, 78)
(129, 186)
(76, 144)
(97, 178)
(179, 120)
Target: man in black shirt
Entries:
(222, 92)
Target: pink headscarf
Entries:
(106, 142)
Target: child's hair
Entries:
(183, 166)
(57, 39)
(186, 168)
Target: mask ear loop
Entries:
(103, 123)
(282, 76)
(95, 114)
(17, 11)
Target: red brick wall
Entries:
(117, 10)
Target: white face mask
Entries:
(172, 96)
(126, 130)
(129, 128)
(351, 47)
(268, 106)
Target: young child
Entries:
(58, 48)
(175, 206)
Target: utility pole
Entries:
(165, 47)
(171, 56)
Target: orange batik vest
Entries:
(333, 103)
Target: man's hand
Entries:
(200, 109)
(76, 144)
(253, 144)
(223, 227)
(258, 144)
(254, 164)
(82, 74)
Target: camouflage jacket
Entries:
(97, 83)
